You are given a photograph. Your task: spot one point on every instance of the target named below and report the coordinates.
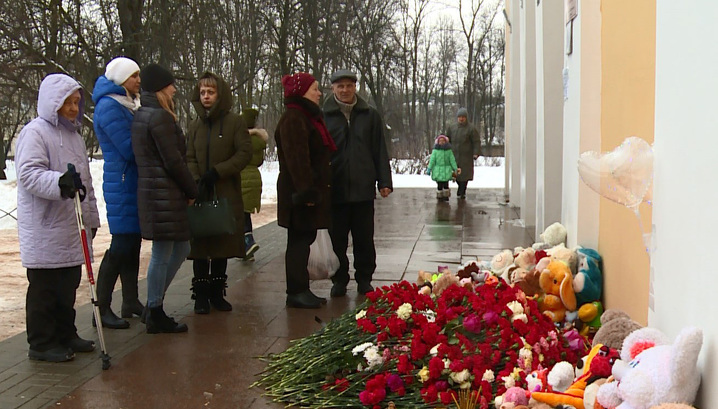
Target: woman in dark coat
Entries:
(304, 147)
(164, 189)
(219, 148)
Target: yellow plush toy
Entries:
(557, 282)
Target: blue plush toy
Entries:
(588, 283)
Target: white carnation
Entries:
(509, 381)
(460, 377)
(521, 317)
(360, 348)
(361, 314)
(373, 357)
(515, 307)
(488, 376)
(435, 350)
(404, 311)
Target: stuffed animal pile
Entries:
(627, 367)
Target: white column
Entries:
(549, 112)
(512, 148)
(528, 108)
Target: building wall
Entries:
(581, 125)
(685, 163)
(549, 113)
(627, 107)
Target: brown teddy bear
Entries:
(615, 327)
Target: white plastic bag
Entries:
(323, 262)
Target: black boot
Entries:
(200, 295)
(217, 285)
(106, 279)
(110, 320)
(159, 322)
(131, 304)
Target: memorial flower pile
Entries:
(405, 349)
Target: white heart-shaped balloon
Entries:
(624, 175)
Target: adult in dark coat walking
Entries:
(219, 148)
(165, 187)
(304, 147)
(117, 97)
(360, 166)
(466, 145)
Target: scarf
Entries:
(319, 125)
(133, 104)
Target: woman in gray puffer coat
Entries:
(50, 246)
(164, 189)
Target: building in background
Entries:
(583, 75)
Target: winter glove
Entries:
(209, 178)
(94, 232)
(70, 183)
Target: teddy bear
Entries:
(565, 254)
(525, 257)
(657, 374)
(554, 234)
(529, 284)
(615, 327)
(501, 262)
(557, 282)
(588, 282)
(673, 406)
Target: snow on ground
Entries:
(484, 177)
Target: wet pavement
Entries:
(213, 364)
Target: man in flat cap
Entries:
(466, 144)
(360, 166)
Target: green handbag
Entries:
(212, 217)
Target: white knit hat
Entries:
(120, 69)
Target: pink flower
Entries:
(490, 317)
(472, 323)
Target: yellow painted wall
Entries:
(628, 48)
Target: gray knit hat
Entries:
(462, 112)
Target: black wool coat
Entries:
(304, 170)
(164, 182)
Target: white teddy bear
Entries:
(554, 234)
(659, 374)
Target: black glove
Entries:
(94, 232)
(67, 184)
(70, 182)
(209, 178)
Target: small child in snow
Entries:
(441, 166)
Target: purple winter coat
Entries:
(46, 222)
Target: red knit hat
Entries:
(296, 85)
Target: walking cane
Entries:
(88, 265)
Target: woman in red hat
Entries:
(304, 147)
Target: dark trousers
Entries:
(247, 222)
(297, 258)
(358, 219)
(462, 188)
(50, 306)
(442, 185)
(202, 267)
